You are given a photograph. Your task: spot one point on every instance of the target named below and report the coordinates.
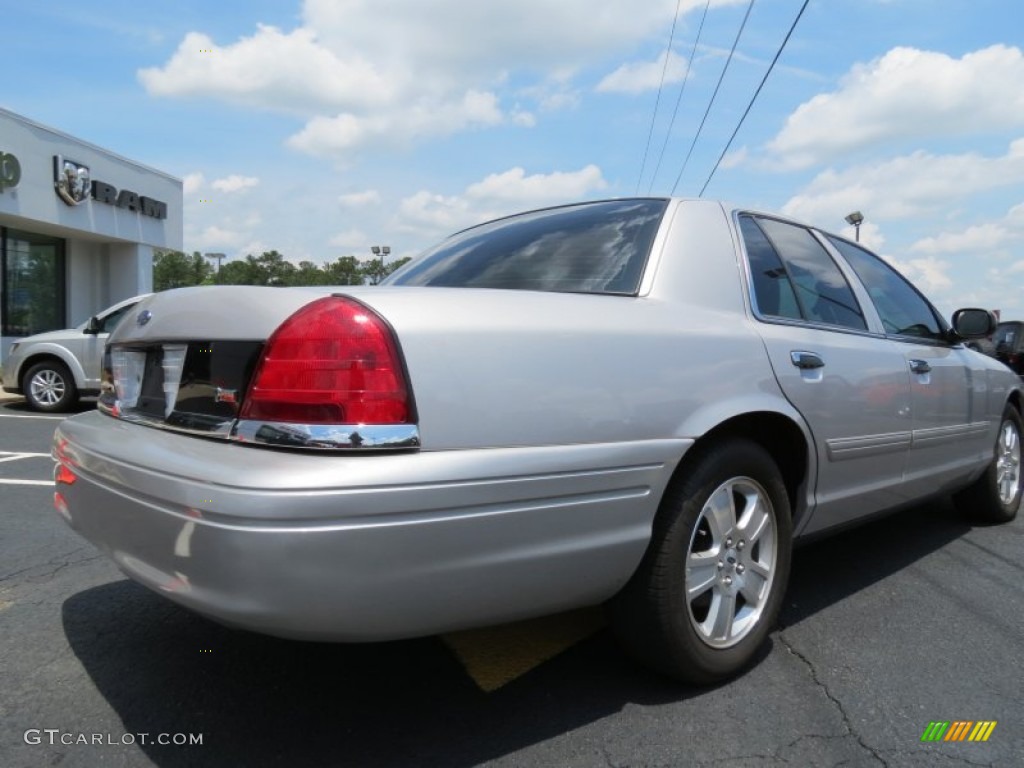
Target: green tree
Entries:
(309, 273)
(376, 270)
(238, 272)
(269, 268)
(174, 269)
(346, 270)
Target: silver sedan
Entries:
(638, 402)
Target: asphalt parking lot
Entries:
(914, 619)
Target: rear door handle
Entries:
(920, 366)
(806, 361)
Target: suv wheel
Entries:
(48, 386)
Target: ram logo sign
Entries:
(74, 185)
(72, 180)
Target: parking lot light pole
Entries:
(855, 219)
(218, 256)
(380, 253)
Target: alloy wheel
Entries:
(731, 562)
(1008, 463)
(47, 387)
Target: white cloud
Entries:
(908, 186)
(218, 237)
(254, 247)
(354, 241)
(539, 189)
(983, 237)
(334, 135)
(270, 69)
(235, 183)
(636, 77)
(1001, 238)
(433, 70)
(907, 93)
(192, 183)
(735, 158)
(427, 212)
(929, 274)
(357, 199)
(434, 215)
(523, 119)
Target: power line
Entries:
(679, 98)
(713, 95)
(657, 100)
(754, 97)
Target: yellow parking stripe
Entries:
(495, 656)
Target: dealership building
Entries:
(78, 226)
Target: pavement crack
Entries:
(847, 723)
(946, 759)
(53, 567)
(608, 760)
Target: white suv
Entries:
(52, 370)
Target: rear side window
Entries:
(590, 248)
(794, 276)
(904, 311)
(773, 289)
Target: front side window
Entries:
(794, 276)
(33, 283)
(904, 311)
(589, 248)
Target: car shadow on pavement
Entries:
(21, 408)
(833, 568)
(264, 701)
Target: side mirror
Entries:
(973, 323)
(93, 327)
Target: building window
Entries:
(32, 288)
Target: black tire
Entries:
(995, 496)
(652, 616)
(49, 387)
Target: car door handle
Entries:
(920, 366)
(806, 360)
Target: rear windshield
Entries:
(589, 248)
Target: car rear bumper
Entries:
(371, 547)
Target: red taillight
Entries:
(64, 476)
(332, 362)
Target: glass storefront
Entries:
(32, 276)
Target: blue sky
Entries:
(323, 127)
